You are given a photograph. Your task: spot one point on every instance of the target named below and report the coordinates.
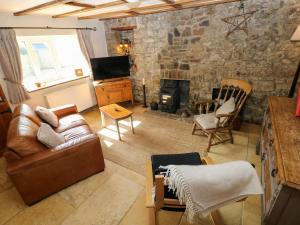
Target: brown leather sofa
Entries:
(37, 171)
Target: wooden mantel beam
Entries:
(101, 6)
(40, 7)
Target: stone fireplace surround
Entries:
(190, 45)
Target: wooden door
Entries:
(127, 92)
(114, 95)
(102, 98)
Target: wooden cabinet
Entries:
(280, 156)
(113, 92)
(5, 117)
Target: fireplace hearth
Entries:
(174, 95)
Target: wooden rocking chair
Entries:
(157, 195)
(215, 126)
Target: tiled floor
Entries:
(117, 196)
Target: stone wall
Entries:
(191, 44)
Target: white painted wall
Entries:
(98, 39)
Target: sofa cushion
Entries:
(21, 136)
(69, 122)
(47, 115)
(26, 110)
(76, 132)
(49, 137)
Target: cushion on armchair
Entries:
(207, 121)
(226, 108)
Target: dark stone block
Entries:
(204, 23)
(195, 40)
(187, 32)
(176, 32)
(170, 39)
(184, 66)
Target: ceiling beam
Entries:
(40, 7)
(79, 4)
(158, 8)
(172, 3)
(101, 6)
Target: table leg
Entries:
(131, 122)
(102, 119)
(118, 130)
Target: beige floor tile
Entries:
(108, 204)
(138, 214)
(129, 174)
(169, 217)
(10, 205)
(50, 211)
(232, 213)
(253, 139)
(200, 221)
(76, 194)
(5, 182)
(79, 192)
(252, 211)
(240, 138)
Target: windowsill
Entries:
(55, 83)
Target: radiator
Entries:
(78, 94)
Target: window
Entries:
(48, 60)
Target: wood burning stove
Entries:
(169, 96)
(173, 95)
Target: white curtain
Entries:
(10, 62)
(85, 42)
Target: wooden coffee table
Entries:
(117, 113)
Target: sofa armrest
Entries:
(50, 155)
(64, 110)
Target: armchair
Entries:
(215, 125)
(162, 198)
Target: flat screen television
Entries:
(110, 67)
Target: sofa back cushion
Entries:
(26, 110)
(47, 115)
(22, 136)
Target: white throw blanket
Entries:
(206, 188)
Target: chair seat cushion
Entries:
(69, 122)
(173, 159)
(206, 121)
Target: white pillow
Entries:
(49, 137)
(47, 115)
(226, 108)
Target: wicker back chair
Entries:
(216, 126)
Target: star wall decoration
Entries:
(239, 21)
